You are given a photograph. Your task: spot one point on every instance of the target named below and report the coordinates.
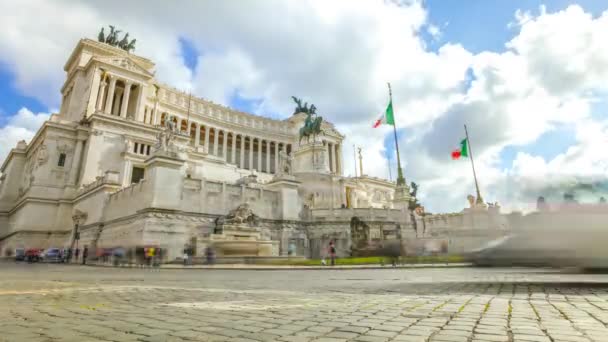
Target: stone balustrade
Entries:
(109, 178)
(365, 214)
(203, 108)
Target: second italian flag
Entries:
(462, 152)
(387, 118)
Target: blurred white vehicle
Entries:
(573, 236)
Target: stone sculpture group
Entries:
(113, 40)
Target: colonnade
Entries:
(335, 158)
(246, 151)
(123, 97)
(120, 97)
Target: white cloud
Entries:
(21, 126)
(516, 97)
(340, 56)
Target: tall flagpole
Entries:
(479, 199)
(400, 178)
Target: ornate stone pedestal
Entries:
(311, 157)
(402, 197)
(241, 240)
(238, 235)
(163, 174)
(287, 186)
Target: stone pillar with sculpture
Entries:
(310, 154)
(78, 218)
(286, 185)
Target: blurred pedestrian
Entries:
(209, 255)
(150, 256)
(332, 253)
(85, 254)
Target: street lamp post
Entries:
(78, 217)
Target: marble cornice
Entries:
(120, 123)
(120, 72)
(106, 50)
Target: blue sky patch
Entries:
(548, 146)
(11, 100)
(481, 25)
(189, 53)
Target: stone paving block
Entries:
(353, 329)
(531, 338)
(367, 338)
(309, 334)
(493, 338)
(241, 339)
(382, 333)
(161, 338)
(491, 331)
(451, 332)
(321, 329)
(149, 332)
(295, 339)
(573, 338)
(449, 338)
(410, 338)
(260, 336)
(247, 328)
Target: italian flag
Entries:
(387, 118)
(462, 152)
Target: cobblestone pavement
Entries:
(75, 303)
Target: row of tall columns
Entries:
(246, 154)
(125, 102)
(233, 154)
(216, 136)
(333, 151)
(113, 96)
(250, 161)
(242, 154)
(247, 149)
(110, 97)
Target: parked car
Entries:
(33, 254)
(118, 256)
(19, 254)
(52, 255)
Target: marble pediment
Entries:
(125, 63)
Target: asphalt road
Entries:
(40, 302)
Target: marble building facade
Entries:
(92, 168)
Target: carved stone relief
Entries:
(42, 155)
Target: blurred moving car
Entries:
(566, 238)
(52, 255)
(33, 254)
(515, 250)
(19, 254)
(119, 256)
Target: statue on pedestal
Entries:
(312, 126)
(471, 200)
(285, 160)
(166, 136)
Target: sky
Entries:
(527, 77)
